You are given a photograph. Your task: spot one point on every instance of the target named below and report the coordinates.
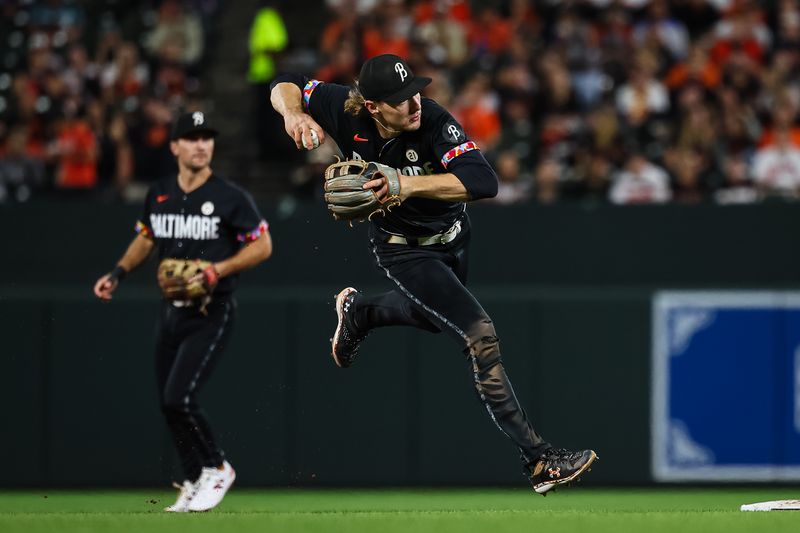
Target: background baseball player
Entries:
(204, 230)
(429, 169)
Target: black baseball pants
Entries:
(431, 295)
(188, 345)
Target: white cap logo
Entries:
(198, 118)
(400, 69)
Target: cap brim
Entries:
(416, 85)
(191, 132)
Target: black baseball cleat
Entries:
(557, 467)
(345, 341)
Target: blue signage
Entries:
(726, 386)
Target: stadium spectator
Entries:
(593, 171)
(737, 187)
(515, 186)
(444, 39)
(341, 27)
(776, 167)
(697, 128)
(341, 64)
(268, 39)
(477, 109)
(547, 188)
(697, 68)
(125, 76)
(659, 29)
(640, 182)
(513, 77)
(178, 35)
(517, 133)
(21, 172)
(389, 32)
(643, 97)
(115, 163)
(81, 73)
(787, 24)
(149, 137)
(739, 124)
(490, 33)
(74, 153)
(692, 174)
(784, 115)
(741, 30)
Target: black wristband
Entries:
(118, 274)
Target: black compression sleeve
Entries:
(476, 174)
(297, 79)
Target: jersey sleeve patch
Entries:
(462, 148)
(142, 229)
(308, 89)
(250, 236)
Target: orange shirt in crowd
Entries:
(375, 43)
(482, 124)
(678, 75)
(458, 11)
(78, 166)
(491, 32)
(723, 49)
(769, 137)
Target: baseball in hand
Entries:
(314, 140)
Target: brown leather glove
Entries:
(186, 279)
(346, 198)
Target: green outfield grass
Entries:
(407, 511)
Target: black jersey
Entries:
(211, 223)
(439, 146)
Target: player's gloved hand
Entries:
(186, 279)
(347, 197)
(209, 277)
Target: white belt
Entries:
(439, 238)
(197, 302)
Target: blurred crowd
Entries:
(88, 90)
(618, 101)
(626, 101)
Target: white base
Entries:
(777, 505)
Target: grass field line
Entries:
(384, 512)
(247, 510)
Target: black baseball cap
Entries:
(193, 122)
(388, 78)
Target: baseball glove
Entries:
(346, 198)
(186, 279)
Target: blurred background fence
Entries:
(570, 290)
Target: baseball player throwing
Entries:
(423, 169)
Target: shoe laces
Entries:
(560, 454)
(186, 492)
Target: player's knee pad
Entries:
(484, 346)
